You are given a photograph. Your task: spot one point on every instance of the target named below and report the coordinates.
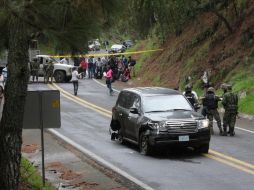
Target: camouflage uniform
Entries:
(210, 101)
(35, 69)
(49, 72)
(230, 103)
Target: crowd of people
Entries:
(122, 67)
(210, 102)
(112, 68)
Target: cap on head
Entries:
(188, 88)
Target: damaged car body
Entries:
(153, 116)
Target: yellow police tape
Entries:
(106, 54)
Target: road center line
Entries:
(81, 100)
(236, 163)
(218, 154)
(81, 103)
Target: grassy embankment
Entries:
(31, 178)
(241, 76)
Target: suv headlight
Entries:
(159, 126)
(204, 123)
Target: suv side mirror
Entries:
(134, 110)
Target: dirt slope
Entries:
(205, 44)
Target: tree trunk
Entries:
(221, 17)
(15, 94)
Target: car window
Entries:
(41, 60)
(165, 103)
(121, 99)
(136, 102)
(129, 100)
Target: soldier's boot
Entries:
(232, 132)
(224, 131)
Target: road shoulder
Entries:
(66, 167)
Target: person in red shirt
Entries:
(83, 67)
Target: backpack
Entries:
(210, 101)
(232, 102)
(190, 96)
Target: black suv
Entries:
(154, 116)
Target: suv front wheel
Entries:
(144, 146)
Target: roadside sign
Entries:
(42, 108)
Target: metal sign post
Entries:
(42, 110)
(42, 141)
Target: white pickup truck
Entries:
(62, 72)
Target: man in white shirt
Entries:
(64, 61)
(74, 78)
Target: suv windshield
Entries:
(165, 103)
(53, 59)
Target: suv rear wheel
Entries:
(144, 147)
(59, 76)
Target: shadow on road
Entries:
(184, 154)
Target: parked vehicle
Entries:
(94, 45)
(128, 43)
(117, 48)
(152, 116)
(62, 72)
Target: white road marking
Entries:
(101, 160)
(239, 128)
(246, 130)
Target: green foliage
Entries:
(31, 177)
(151, 43)
(241, 4)
(168, 15)
(67, 25)
(246, 104)
(242, 80)
(205, 35)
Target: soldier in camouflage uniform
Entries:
(35, 69)
(230, 103)
(210, 101)
(49, 71)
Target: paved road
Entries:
(229, 164)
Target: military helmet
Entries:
(210, 89)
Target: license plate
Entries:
(184, 138)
